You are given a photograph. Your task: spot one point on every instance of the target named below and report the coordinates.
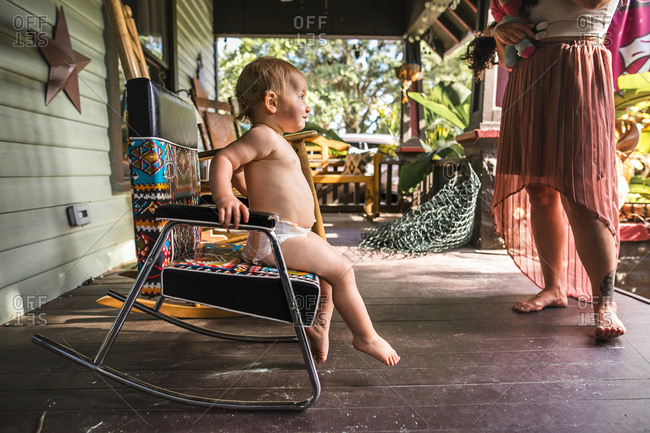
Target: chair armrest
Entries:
(209, 217)
(205, 155)
(208, 154)
(297, 136)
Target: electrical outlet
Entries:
(78, 214)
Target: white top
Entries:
(567, 19)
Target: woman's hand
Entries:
(512, 33)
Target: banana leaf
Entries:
(411, 174)
(448, 100)
(634, 81)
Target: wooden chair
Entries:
(163, 141)
(319, 156)
(326, 171)
(219, 126)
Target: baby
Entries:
(263, 166)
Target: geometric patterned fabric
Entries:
(161, 173)
(226, 259)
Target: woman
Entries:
(555, 189)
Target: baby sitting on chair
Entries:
(263, 166)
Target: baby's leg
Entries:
(315, 255)
(318, 333)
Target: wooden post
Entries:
(298, 142)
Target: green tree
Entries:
(347, 79)
(352, 83)
(436, 69)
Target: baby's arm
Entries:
(225, 163)
(239, 181)
(221, 173)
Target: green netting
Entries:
(440, 224)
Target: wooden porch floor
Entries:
(469, 363)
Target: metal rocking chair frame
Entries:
(203, 216)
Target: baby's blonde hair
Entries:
(258, 77)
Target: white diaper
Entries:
(258, 245)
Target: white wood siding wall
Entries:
(194, 35)
(52, 157)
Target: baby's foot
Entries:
(376, 347)
(608, 325)
(545, 298)
(319, 341)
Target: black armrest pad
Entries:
(209, 215)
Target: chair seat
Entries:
(206, 276)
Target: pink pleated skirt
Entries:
(557, 130)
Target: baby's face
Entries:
(292, 104)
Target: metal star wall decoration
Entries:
(65, 63)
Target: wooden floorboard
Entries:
(469, 363)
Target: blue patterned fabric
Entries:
(161, 173)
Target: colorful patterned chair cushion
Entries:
(215, 275)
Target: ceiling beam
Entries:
(457, 20)
(310, 18)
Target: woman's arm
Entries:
(510, 33)
(501, 53)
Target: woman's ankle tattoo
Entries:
(607, 286)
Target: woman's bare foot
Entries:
(545, 298)
(319, 341)
(608, 325)
(376, 347)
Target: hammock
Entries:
(442, 223)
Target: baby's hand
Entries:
(230, 207)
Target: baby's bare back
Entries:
(276, 184)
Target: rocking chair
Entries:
(164, 168)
